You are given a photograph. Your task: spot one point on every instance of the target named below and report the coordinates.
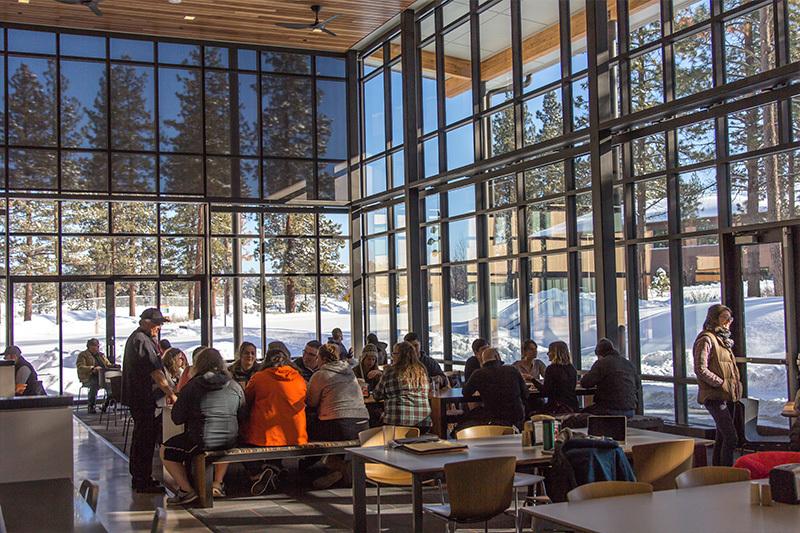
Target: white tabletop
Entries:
(505, 446)
(722, 508)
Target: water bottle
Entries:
(548, 434)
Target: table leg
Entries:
(359, 495)
(416, 503)
(439, 417)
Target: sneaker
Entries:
(219, 491)
(327, 480)
(182, 498)
(263, 481)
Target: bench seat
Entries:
(203, 463)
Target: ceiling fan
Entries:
(91, 4)
(315, 27)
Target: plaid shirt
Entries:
(403, 405)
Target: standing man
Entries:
(25, 378)
(141, 370)
(89, 363)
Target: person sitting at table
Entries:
(367, 368)
(308, 363)
(616, 382)
(531, 368)
(404, 389)
(163, 346)
(211, 406)
(26, 380)
(276, 397)
(244, 366)
(89, 363)
(432, 367)
(502, 391)
(383, 357)
(188, 372)
(560, 379)
(174, 365)
(473, 362)
(335, 396)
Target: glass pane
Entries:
(181, 255)
(133, 173)
(179, 53)
(584, 211)
(749, 44)
(655, 322)
(215, 56)
(698, 200)
(180, 301)
(701, 288)
(428, 80)
(464, 309)
(331, 120)
(430, 154)
(698, 415)
(435, 310)
(32, 169)
(375, 176)
(378, 254)
(646, 89)
(401, 304)
(400, 250)
(541, 44)
(252, 289)
(179, 110)
(461, 201)
(458, 74)
(135, 255)
(286, 123)
(644, 23)
(649, 154)
(35, 42)
(132, 108)
(335, 301)
(285, 62)
(133, 50)
(33, 256)
(587, 290)
(502, 233)
(398, 169)
(130, 299)
(763, 189)
(83, 104)
(333, 182)
(580, 104)
(330, 66)
(544, 181)
(396, 80)
(687, 13)
(767, 384)
(753, 129)
(378, 305)
(504, 308)
(762, 286)
(232, 177)
(460, 143)
(377, 221)
(33, 216)
(693, 64)
(794, 29)
(696, 143)
(374, 116)
(84, 217)
(463, 240)
(83, 312)
(542, 116)
(495, 54)
(650, 207)
(549, 299)
(35, 318)
(222, 295)
(659, 399)
(289, 256)
(433, 244)
(288, 180)
(181, 174)
(291, 310)
(31, 85)
(501, 132)
(84, 171)
(547, 225)
(182, 219)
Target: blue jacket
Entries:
(581, 461)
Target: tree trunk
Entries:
(28, 313)
(197, 300)
(132, 299)
(226, 298)
(190, 302)
(289, 296)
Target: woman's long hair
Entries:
(210, 360)
(328, 353)
(559, 353)
(171, 360)
(407, 366)
(712, 316)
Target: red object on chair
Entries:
(759, 464)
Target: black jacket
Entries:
(559, 386)
(304, 370)
(616, 381)
(211, 406)
(502, 391)
(431, 366)
(33, 388)
(471, 365)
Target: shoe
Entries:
(265, 479)
(151, 488)
(182, 498)
(327, 480)
(219, 491)
(92, 410)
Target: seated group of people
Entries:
(504, 389)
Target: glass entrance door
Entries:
(763, 261)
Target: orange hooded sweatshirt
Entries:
(277, 400)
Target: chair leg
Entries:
(378, 505)
(486, 527)
(441, 490)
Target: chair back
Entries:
(660, 463)
(374, 436)
(607, 489)
(711, 475)
(479, 489)
(159, 524)
(115, 387)
(90, 491)
(750, 423)
(478, 432)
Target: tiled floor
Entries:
(295, 507)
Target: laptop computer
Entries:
(610, 427)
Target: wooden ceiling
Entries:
(242, 21)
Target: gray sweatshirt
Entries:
(334, 392)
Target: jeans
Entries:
(338, 429)
(142, 446)
(726, 439)
(94, 385)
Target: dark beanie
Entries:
(605, 347)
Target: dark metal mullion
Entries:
(440, 93)
(8, 307)
(447, 325)
(59, 314)
(318, 280)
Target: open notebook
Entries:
(438, 446)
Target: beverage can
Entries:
(548, 434)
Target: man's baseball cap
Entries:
(153, 315)
(12, 350)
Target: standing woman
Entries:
(245, 365)
(404, 389)
(719, 386)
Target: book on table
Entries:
(438, 446)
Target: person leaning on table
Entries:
(404, 389)
(88, 364)
(26, 380)
(718, 383)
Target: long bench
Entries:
(203, 464)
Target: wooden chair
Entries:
(608, 489)
(159, 524)
(479, 490)
(382, 475)
(711, 475)
(660, 463)
(521, 479)
(90, 492)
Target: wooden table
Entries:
(721, 508)
(422, 467)
(443, 398)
